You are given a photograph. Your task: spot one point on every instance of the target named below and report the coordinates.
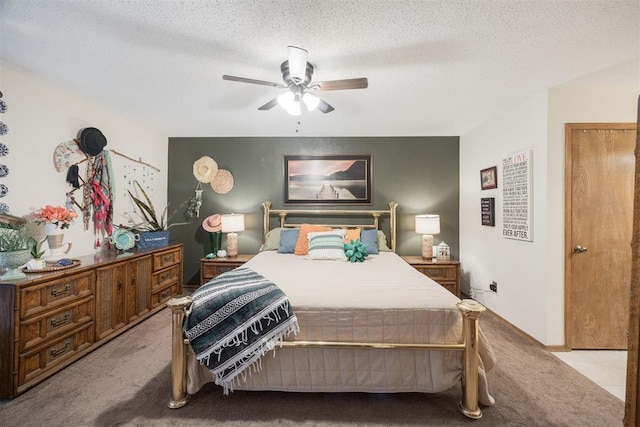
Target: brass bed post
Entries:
(471, 311)
(266, 206)
(393, 206)
(179, 396)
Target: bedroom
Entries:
(45, 110)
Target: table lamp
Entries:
(231, 224)
(427, 225)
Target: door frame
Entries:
(570, 128)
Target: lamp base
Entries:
(232, 244)
(427, 246)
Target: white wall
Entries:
(39, 117)
(487, 256)
(530, 276)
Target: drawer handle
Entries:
(165, 293)
(63, 291)
(56, 353)
(59, 322)
(167, 258)
(164, 276)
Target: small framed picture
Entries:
(489, 178)
(488, 208)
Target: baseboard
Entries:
(549, 348)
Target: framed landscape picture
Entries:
(332, 179)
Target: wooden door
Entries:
(139, 287)
(110, 297)
(599, 198)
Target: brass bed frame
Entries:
(470, 310)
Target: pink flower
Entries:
(58, 215)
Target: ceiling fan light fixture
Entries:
(286, 99)
(310, 101)
(294, 109)
(297, 63)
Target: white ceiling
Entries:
(434, 67)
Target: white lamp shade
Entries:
(426, 224)
(232, 223)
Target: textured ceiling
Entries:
(434, 67)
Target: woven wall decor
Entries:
(222, 182)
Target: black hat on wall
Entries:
(92, 141)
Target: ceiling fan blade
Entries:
(297, 63)
(252, 81)
(361, 83)
(269, 105)
(324, 107)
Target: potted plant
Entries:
(153, 231)
(14, 246)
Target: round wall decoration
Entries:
(4, 150)
(222, 183)
(205, 168)
(3, 128)
(4, 171)
(4, 190)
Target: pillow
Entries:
(356, 251)
(369, 237)
(288, 240)
(302, 245)
(351, 234)
(382, 242)
(327, 245)
(272, 240)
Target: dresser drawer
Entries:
(36, 361)
(163, 295)
(440, 272)
(39, 298)
(37, 329)
(163, 278)
(167, 258)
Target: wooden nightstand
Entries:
(210, 268)
(446, 273)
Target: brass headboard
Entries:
(352, 213)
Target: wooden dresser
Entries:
(445, 272)
(49, 320)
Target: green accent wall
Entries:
(418, 173)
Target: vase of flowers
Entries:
(55, 219)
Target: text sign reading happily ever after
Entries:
(517, 194)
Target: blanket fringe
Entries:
(251, 362)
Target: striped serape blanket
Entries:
(234, 320)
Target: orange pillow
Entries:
(302, 245)
(352, 234)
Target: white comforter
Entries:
(380, 300)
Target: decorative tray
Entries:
(52, 266)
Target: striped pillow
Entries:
(327, 245)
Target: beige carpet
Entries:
(127, 383)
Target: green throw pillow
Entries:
(356, 251)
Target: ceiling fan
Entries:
(296, 74)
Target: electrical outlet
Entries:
(493, 286)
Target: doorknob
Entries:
(579, 249)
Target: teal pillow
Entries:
(356, 251)
(288, 240)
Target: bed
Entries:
(375, 326)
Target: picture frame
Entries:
(489, 178)
(327, 179)
(488, 211)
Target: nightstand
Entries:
(210, 268)
(445, 272)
